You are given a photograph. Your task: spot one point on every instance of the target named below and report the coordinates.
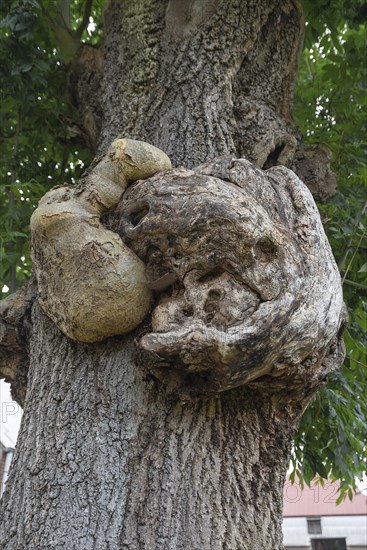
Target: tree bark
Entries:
(105, 458)
(198, 79)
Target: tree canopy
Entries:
(42, 144)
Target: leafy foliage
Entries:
(41, 147)
(331, 108)
(38, 138)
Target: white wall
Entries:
(353, 528)
(295, 532)
(10, 416)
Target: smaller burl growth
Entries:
(89, 282)
(234, 260)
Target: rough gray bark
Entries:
(105, 458)
(198, 80)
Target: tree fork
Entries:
(200, 80)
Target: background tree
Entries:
(52, 138)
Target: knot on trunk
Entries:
(312, 165)
(15, 324)
(246, 283)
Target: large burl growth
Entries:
(244, 283)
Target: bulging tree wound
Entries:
(244, 282)
(90, 284)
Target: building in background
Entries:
(313, 521)
(10, 418)
(6, 455)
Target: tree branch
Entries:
(85, 21)
(356, 285)
(63, 8)
(13, 266)
(349, 244)
(352, 258)
(67, 41)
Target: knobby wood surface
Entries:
(255, 290)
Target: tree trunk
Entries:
(196, 79)
(105, 458)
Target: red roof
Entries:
(320, 501)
